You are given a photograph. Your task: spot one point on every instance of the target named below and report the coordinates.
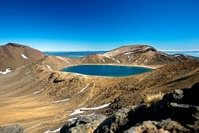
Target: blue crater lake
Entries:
(106, 70)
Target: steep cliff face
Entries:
(14, 55)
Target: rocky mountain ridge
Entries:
(135, 55)
(54, 97)
(14, 55)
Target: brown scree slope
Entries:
(38, 112)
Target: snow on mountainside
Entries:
(14, 55)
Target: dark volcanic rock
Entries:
(176, 112)
(83, 124)
(114, 122)
(165, 126)
(57, 80)
(12, 129)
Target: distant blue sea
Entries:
(80, 54)
(189, 53)
(106, 70)
(77, 54)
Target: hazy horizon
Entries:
(171, 50)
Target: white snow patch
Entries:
(103, 60)
(96, 108)
(6, 71)
(25, 57)
(49, 67)
(75, 118)
(109, 57)
(60, 101)
(39, 91)
(77, 111)
(82, 110)
(128, 53)
(112, 58)
(55, 131)
(176, 55)
(84, 88)
(118, 61)
(72, 119)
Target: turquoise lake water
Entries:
(106, 70)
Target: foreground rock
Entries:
(12, 129)
(83, 124)
(176, 112)
(163, 126)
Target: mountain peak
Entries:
(14, 44)
(140, 48)
(14, 55)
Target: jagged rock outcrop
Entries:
(83, 124)
(12, 129)
(163, 126)
(176, 112)
(14, 55)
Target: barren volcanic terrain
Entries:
(35, 94)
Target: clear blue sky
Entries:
(100, 24)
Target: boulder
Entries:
(176, 112)
(114, 122)
(83, 124)
(12, 129)
(164, 126)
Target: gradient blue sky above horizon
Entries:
(75, 25)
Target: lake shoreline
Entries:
(106, 70)
(128, 65)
